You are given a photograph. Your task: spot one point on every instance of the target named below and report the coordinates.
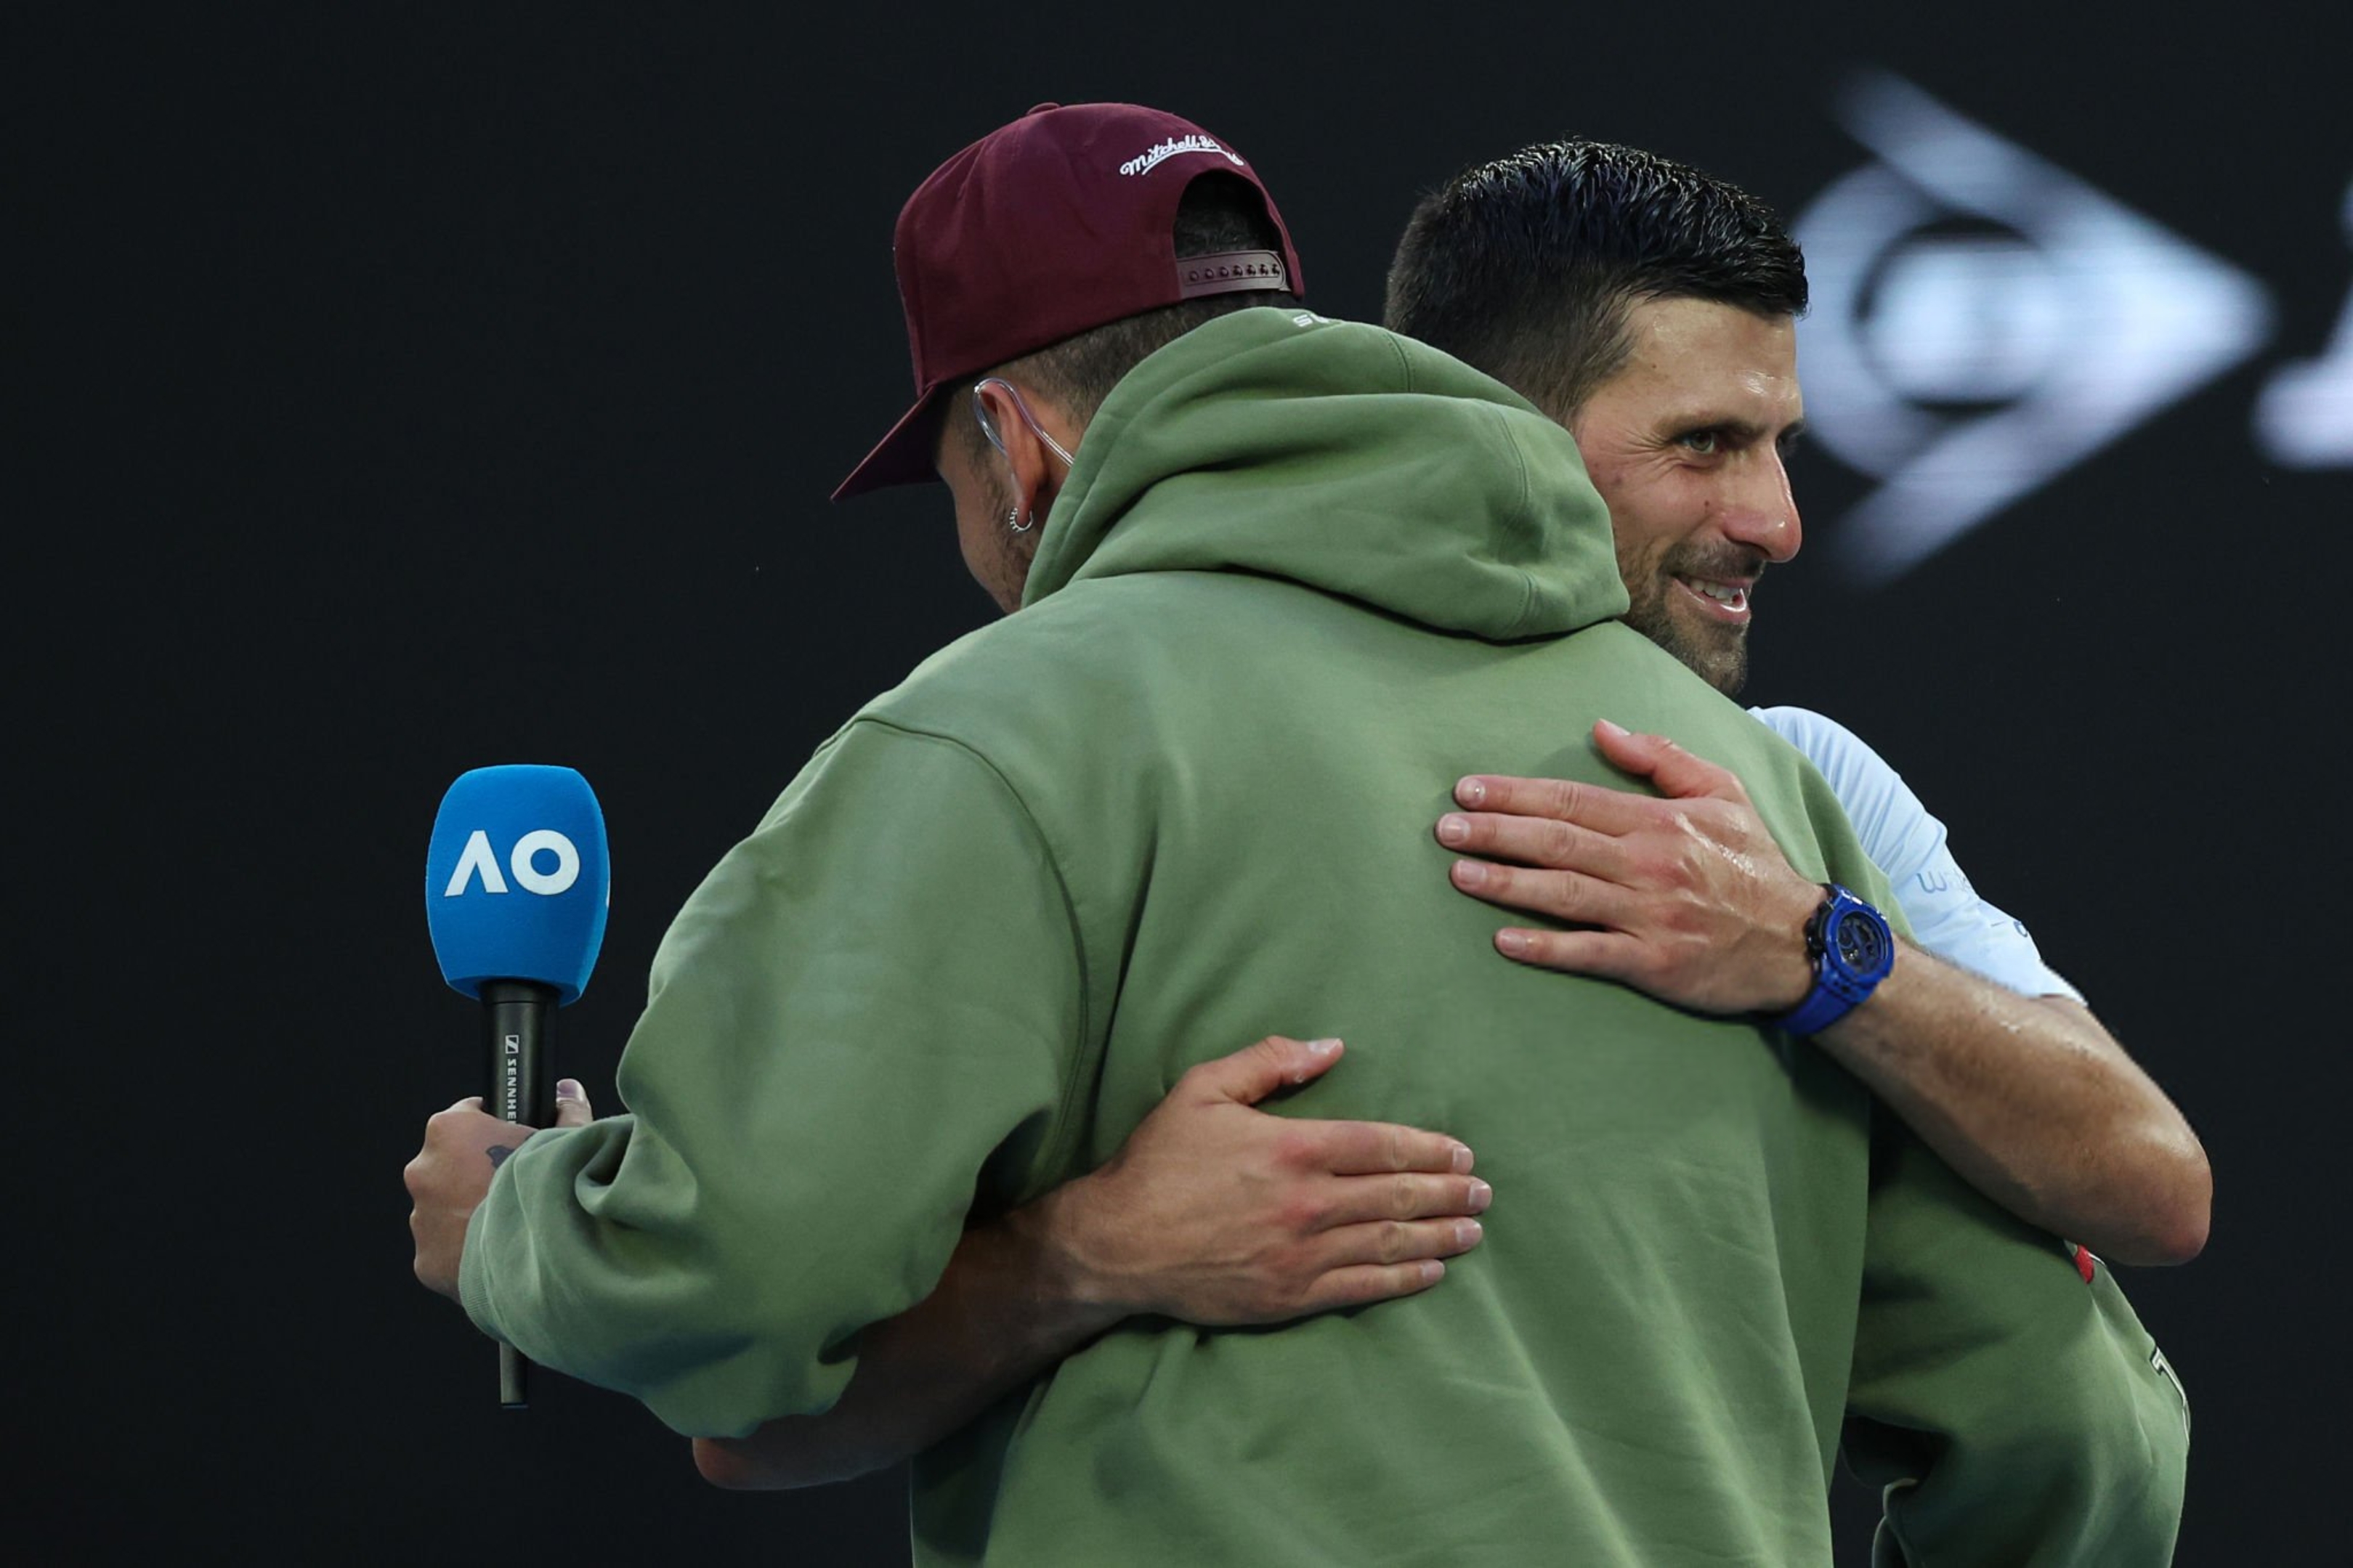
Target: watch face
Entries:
(1860, 943)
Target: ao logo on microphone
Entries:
(478, 863)
(518, 828)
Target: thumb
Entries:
(1676, 773)
(572, 1104)
(1252, 1073)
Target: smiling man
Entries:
(1686, 442)
(1652, 310)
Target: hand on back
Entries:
(1217, 1213)
(1686, 897)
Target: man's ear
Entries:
(1038, 473)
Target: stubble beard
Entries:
(1716, 654)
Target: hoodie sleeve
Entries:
(862, 1023)
(2005, 1398)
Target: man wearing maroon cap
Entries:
(1283, 579)
(1036, 236)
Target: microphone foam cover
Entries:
(516, 879)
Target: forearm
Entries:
(1212, 1212)
(2035, 1105)
(1690, 899)
(1003, 1312)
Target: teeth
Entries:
(1735, 597)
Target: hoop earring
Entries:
(1013, 521)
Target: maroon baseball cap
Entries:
(1058, 223)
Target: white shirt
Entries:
(1947, 917)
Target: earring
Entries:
(1013, 521)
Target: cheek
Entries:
(1648, 520)
(979, 520)
(1673, 505)
(972, 534)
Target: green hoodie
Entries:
(1303, 576)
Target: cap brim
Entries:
(901, 457)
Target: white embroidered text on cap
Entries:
(1148, 161)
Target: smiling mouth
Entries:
(1719, 600)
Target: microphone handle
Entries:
(518, 1024)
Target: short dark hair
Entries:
(1217, 212)
(1525, 267)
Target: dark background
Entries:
(408, 390)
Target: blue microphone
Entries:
(516, 880)
(516, 889)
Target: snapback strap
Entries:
(1231, 272)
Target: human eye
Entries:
(1702, 443)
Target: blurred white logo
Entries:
(1983, 320)
(2306, 415)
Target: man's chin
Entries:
(1717, 653)
(1731, 674)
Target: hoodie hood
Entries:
(1343, 457)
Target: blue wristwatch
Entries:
(1852, 951)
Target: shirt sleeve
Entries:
(1949, 916)
(2005, 1398)
(864, 1022)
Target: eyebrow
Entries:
(1743, 430)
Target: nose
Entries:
(1762, 513)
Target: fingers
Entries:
(1676, 771)
(1407, 1196)
(1378, 1262)
(1534, 841)
(1605, 954)
(1385, 1244)
(463, 1121)
(1252, 1073)
(1596, 808)
(1569, 896)
(572, 1108)
(1369, 1148)
(1366, 1283)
